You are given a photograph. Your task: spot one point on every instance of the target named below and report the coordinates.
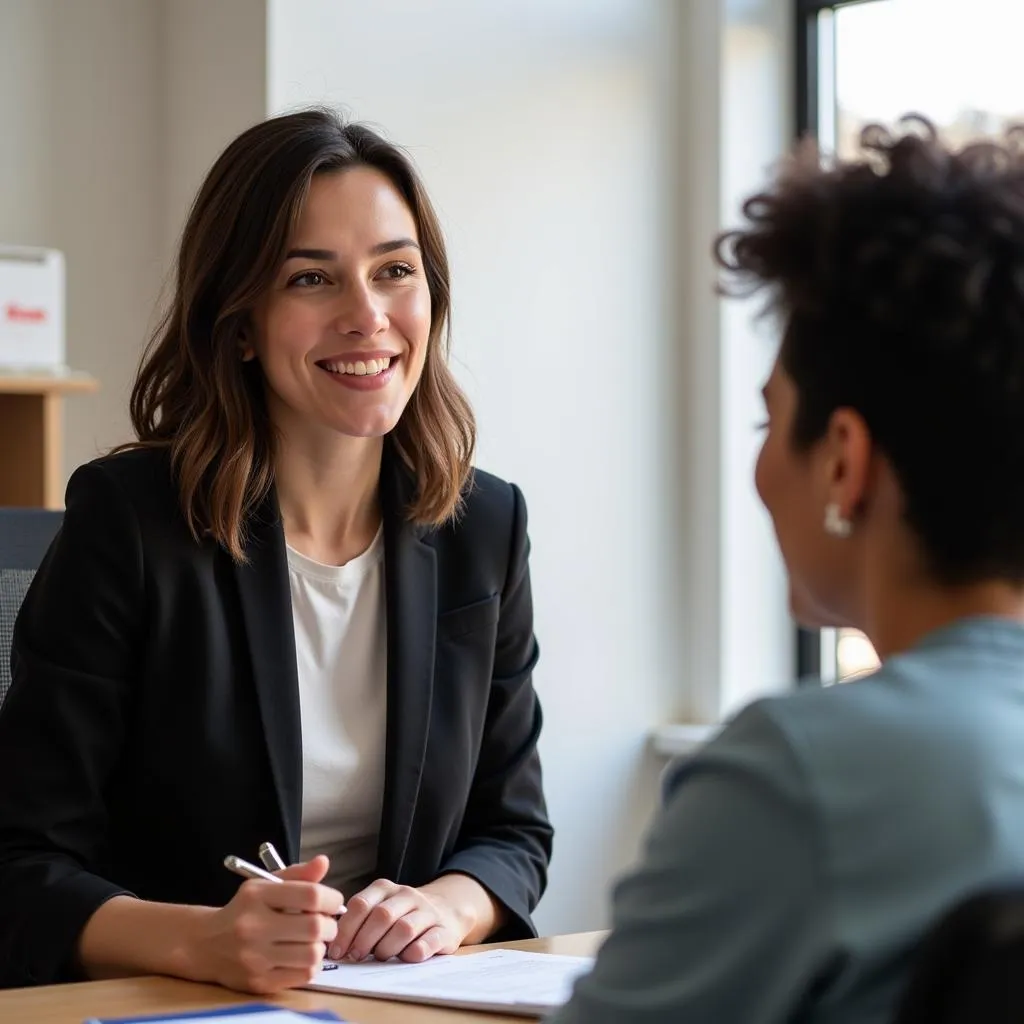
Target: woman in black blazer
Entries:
(295, 399)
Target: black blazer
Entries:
(153, 722)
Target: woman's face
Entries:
(341, 335)
(796, 486)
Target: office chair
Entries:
(25, 534)
(970, 967)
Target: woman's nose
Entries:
(361, 314)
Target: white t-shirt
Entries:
(341, 654)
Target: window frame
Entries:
(807, 49)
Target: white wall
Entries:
(536, 126)
(576, 150)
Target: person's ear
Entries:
(849, 449)
(245, 350)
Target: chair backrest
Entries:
(970, 968)
(25, 534)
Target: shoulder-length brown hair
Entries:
(194, 396)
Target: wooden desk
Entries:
(31, 439)
(72, 1004)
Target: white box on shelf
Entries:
(31, 310)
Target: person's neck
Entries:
(328, 494)
(899, 617)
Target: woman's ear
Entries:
(849, 450)
(245, 350)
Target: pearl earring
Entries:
(836, 525)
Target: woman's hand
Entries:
(388, 920)
(269, 937)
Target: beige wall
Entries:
(213, 85)
(110, 112)
(79, 113)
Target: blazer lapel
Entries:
(411, 596)
(267, 611)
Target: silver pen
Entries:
(247, 870)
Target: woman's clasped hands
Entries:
(273, 937)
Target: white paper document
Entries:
(499, 980)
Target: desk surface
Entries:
(72, 1004)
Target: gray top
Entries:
(800, 856)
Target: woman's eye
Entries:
(398, 271)
(309, 279)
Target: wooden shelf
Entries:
(31, 435)
(47, 383)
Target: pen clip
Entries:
(270, 857)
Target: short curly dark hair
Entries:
(899, 281)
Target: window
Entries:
(864, 61)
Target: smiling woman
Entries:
(338, 236)
(290, 611)
(350, 307)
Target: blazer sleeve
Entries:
(505, 840)
(728, 917)
(62, 729)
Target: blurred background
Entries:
(581, 154)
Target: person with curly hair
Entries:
(801, 856)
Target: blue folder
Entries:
(219, 1014)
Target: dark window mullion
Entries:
(806, 74)
(808, 642)
(810, 7)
